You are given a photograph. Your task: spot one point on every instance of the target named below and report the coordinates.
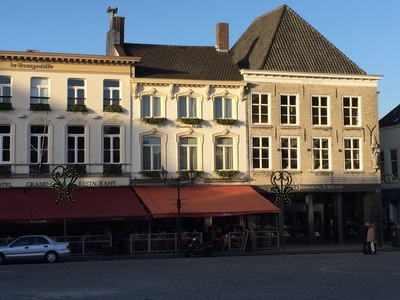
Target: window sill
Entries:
(285, 126)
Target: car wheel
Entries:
(51, 257)
(2, 258)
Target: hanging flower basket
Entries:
(226, 121)
(6, 106)
(227, 174)
(191, 121)
(112, 108)
(77, 108)
(40, 107)
(154, 120)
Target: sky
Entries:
(366, 31)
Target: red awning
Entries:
(91, 204)
(14, 206)
(205, 201)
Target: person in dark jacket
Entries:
(364, 232)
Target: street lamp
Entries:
(64, 189)
(281, 181)
(178, 184)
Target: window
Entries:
(259, 109)
(187, 153)
(289, 153)
(350, 111)
(151, 106)
(151, 153)
(187, 107)
(111, 92)
(382, 164)
(352, 154)
(224, 154)
(39, 90)
(76, 92)
(5, 144)
(321, 154)
(39, 143)
(223, 108)
(288, 109)
(393, 162)
(261, 149)
(319, 110)
(75, 144)
(111, 144)
(5, 89)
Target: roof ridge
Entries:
(267, 53)
(163, 45)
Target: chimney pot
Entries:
(222, 37)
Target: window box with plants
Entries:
(112, 108)
(5, 106)
(40, 107)
(223, 121)
(77, 108)
(185, 174)
(227, 174)
(150, 174)
(191, 121)
(112, 169)
(154, 120)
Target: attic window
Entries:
(396, 120)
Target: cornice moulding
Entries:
(310, 78)
(186, 82)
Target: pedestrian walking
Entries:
(371, 248)
(364, 231)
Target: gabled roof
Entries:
(282, 41)
(183, 62)
(391, 119)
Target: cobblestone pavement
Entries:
(308, 276)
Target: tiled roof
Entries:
(391, 119)
(183, 62)
(282, 41)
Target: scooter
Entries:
(196, 248)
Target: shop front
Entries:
(329, 214)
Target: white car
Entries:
(34, 247)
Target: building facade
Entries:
(389, 166)
(313, 113)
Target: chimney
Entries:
(222, 37)
(119, 26)
(115, 36)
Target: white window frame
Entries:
(3, 136)
(292, 110)
(76, 151)
(190, 149)
(76, 90)
(353, 112)
(152, 147)
(263, 108)
(318, 151)
(41, 149)
(151, 94)
(112, 99)
(232, 114)
(350, 163)
(111, 149)
(290, 153)
(317, 110)
(3, 88)
(261, 151)
(40, 92)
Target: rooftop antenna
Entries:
(112, 11)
